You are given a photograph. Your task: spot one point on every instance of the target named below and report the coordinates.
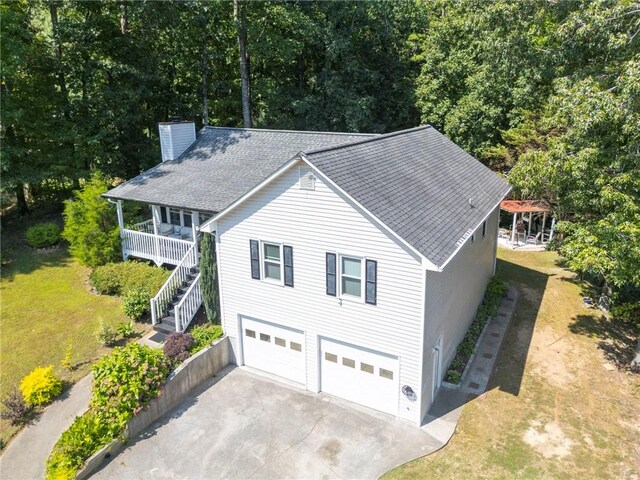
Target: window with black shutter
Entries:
(371, 281)
(288, 265)
(255, 259)
(331, 274)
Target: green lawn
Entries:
(45, 306)
(557, 406)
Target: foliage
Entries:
(204, 335)
(124, 382)
(209, 279)
(105, 334)
(66, 360)
(90, 225)
(176, 347)
(15, 408)
(41, 386)
(118, 278)
(43, 235)
(627, 313)
(135, 303)
(495, 291)
(125, 329)
(87, 434)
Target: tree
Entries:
(240, 20)
(91, 226)
(209, 280)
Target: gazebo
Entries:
(518, 229)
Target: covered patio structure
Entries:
(529, 226)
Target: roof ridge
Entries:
(311, 132)
(367, 140)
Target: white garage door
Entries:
(274, 348)
(359, 375)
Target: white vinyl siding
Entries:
(314, 223)
(175, 138)
(452, 298)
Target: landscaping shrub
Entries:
(40, 386)
(106, 334)
(177, 346)
(15, 408)
(628, 313)
(204, 335)
(135, 303)
(209, 275)
(90, 224)
(124, 382)
(43, 235)
(125, 329)
(118, 278)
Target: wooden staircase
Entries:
(167, 323)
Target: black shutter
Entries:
(288, 265)
(371, 281)
(331, 274)
(255, 259)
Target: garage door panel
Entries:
(274, 349)
(359, 375)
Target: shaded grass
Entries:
(596, 409)
(46, 306)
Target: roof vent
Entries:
(471, 203)
(307, 178)
(175, 138)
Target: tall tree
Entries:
(240, 20)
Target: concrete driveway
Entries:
(244, 425)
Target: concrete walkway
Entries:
(27, 453)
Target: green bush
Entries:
(43, 235)
(123, 383)
(135, 303)
(117, 278)
(91, 226)
(125, 329)
(204, 335)
(627, 313)
(106, 334)
(40, 386)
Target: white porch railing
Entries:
(178, 278)
(154, 247)
(146, 226)
(188, 306)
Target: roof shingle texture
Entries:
(222, 165)
(420, 184)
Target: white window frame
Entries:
(339, 292)
(263, 260)
(181, 212)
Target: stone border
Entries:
(190, 374)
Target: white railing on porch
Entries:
(154, 247)
(178, 278)
(146, 226)
(188, 306)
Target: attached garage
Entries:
(274, 348)
(359, 375)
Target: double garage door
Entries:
(357, 374)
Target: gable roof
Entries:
(222, 165)
(419, 184)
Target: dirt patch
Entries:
(551, 356)
(549, 441)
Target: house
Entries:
(352, 265)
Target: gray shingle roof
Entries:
(418, 183)
(222, 165)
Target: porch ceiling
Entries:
(525, 206)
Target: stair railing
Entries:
(188, 306)
(177, 279)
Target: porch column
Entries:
(195, 228)
(553, 224)
(513, 228)
(157, 218)
(120, 217)
(529, 226)
(544, 221)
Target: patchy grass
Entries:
(558, 407)
(46, 305)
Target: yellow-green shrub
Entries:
(41, 386)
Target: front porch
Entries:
(165, 238)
